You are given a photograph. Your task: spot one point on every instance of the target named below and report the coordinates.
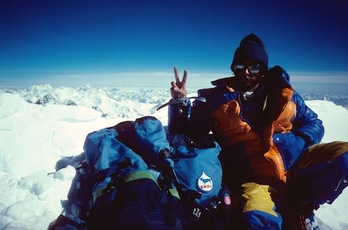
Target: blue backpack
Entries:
(196, 173)
(125, 192)
(136, 176)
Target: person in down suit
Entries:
(275, 166)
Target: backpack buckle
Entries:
(196, 214)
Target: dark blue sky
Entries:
(52, 38)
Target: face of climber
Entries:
(248, 75)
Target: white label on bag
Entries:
(204, 183)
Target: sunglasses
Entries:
(252, 69)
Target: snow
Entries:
(34, 137)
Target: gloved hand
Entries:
(165, 161)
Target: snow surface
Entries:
(34, 137)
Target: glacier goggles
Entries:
(252, 68)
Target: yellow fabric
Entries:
(258, 197)
(130, 177)
(138, 175)
(174, 192)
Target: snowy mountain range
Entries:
(339, 97)
(112, 102)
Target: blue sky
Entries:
(52, 39)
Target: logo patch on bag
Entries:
(204, 183)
